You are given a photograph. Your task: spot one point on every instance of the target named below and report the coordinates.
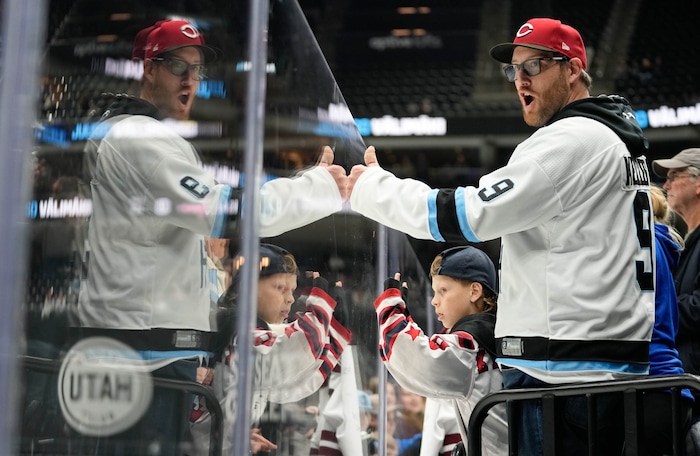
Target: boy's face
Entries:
(453, 299)
(276, 296)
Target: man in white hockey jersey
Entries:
(146, 280)
(572, 209)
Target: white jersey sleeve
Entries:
(526, 198)
(290, 203)
(288, 366)
(173, 182)
(441, 432)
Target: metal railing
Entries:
(631, 391)
(52, 366)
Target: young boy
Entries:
(292, 359)
(458, 365)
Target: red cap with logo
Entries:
(546, 35)
(138, 52)
(170, 35)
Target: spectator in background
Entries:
(409, 420)
(682, 188)
(663, 356)
(367, 414)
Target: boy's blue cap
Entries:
(272, 260)
(468, 263)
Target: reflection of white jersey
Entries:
(572, 209)
(444, 366)
(153, 206)
(441, 432)
(290, 363)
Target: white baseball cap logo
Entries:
(189, 31)
(524, 30)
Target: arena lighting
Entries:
(120, 16)
(337, 112)
(51, 134)
(405, 126)
(123, 68)
(184, 128)
(79, 207)
(244, 66)
(106, 38)
(664, 116)
(59, 208)
(427, 41)
(224, 174)
(413, 10)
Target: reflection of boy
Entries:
(292, 359)
(458, 365)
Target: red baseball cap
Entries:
(174, 34)
(138, 52)
(546, 35)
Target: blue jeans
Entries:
(571, 417)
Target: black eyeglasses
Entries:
(179, 67)
(532, 67)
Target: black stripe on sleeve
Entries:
(447, 221)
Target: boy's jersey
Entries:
(292, 361)
(450, 366)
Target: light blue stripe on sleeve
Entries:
(577, 366)
(213, 286)
(461, 211)
(432, 216)
(217, 231)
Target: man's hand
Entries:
(205, 375)
(337, 171)
(259, 443)
(358, 170)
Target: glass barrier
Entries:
(136, 247)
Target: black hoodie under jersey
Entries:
(614, 112)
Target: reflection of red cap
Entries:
(139, 50)
(170, 35)
(546, 35)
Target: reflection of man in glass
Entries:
(154, 206)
